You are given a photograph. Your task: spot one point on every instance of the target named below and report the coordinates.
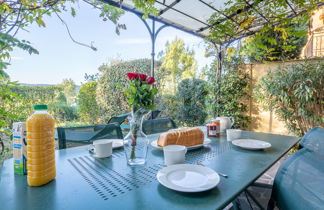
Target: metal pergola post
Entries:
(153, 34)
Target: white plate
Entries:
(251, 144)
(188, 178)
(206, 141)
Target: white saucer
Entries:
(251, 144)
(117, 143)
(206, 141)
(188, 178)
(95, 156)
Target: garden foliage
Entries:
(178, 62)
(7, 99)
(62, 112)
(169, 105)
(88, 108)
(192, 95)
(295, 93)
(70, 90)
(230, 94)
(277, 44)
(30, 95)
(27, 96)
(112, 84)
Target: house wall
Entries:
(315, 35)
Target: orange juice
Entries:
(40, 147)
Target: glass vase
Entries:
(136, 142)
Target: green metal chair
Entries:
(87, 134)
(299, 182)
(154, 114)
(158, 125)
(119, 118)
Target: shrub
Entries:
(229, 95)
(88, 108)
(112, 83)
(192, 107)
(30, 95)
(295, 93)
(169, 105)
(62, 112)
(7, 102)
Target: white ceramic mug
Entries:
(102, 148)
(174, 154)
(225, 123)
(232, 134)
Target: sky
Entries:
(60, 58)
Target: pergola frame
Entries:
(262, 19)
(152, 30)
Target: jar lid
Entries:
(40, 107)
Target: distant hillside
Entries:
(25, 84)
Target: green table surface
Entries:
(83, 182)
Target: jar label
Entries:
(212, 132)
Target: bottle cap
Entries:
(40, 107)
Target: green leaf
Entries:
(73, 12)
(40, 21)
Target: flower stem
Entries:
(132, 155)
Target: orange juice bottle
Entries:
(40, 147)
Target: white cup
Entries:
(174, 154)
(233, 134)
(102, 148)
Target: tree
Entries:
(7, 100)
(229, 96)
(69, 89)
(91, 77)
(192, 101)
(89, 110)
(178, 63)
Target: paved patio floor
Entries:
(260, 193)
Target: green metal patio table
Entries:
(84, 182)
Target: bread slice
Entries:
(182, 136)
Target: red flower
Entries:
(131, 76)
(142, 76)
(137, 76)
(150, 80)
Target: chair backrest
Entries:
(87, 134)
(119, 119)
(314, 140)
(158, 125)
(154, 114)
(300, 177)
(2, 146)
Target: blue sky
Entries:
(60, 58)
